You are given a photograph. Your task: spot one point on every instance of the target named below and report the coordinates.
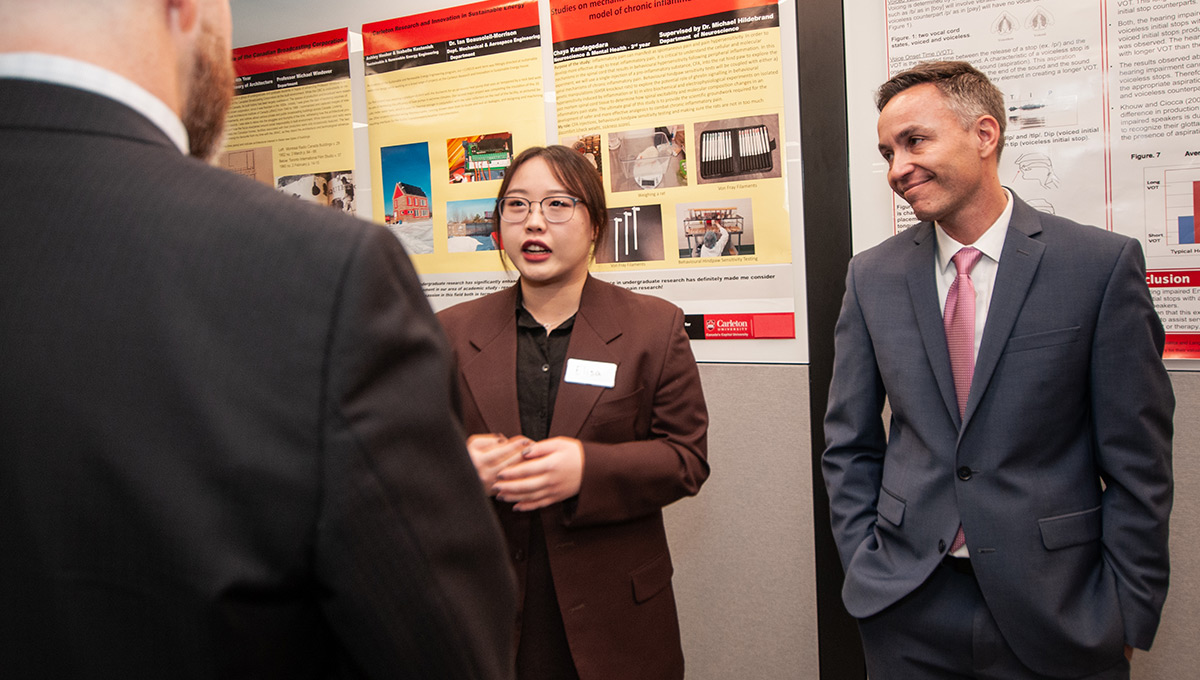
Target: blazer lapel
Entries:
(1018, 263)
(922, 288)
(490, 374)
(595, 327)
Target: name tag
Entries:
(598, 373)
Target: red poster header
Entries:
(318, 48)
(463, 21)
(572, 19)
(1173, 278)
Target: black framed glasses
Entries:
(555, 209)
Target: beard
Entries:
(209, 96)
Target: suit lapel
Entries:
(1018, 263)
(922, 289)
(595, 327)
(490, 374)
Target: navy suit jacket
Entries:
(227, 447)
(1060, 469)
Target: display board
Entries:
(688, 109)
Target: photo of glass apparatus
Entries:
(644, 156)
(735, 151)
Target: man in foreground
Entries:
(226, 441)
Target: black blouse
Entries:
(543, 653)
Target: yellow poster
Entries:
(290, 123)
(681, 105)
(452, 96)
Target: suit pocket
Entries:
(1060, 336)
(610, 409)
(650, 578)
(1076, 528)
(890, 507)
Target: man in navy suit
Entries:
(227, 448)
(1044, 443)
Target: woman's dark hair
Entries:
(575, 173)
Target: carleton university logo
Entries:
(710, 325)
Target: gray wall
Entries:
(743, 547)
(1176, 652)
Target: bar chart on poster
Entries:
(1181, 201)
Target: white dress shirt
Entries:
(50, 68)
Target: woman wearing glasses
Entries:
(586, 417)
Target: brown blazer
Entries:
(645, 446)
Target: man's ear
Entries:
(987, 130)
(183, 15)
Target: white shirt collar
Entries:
(990, 244)
(58, 70)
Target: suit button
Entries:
(964, 473)
(518, 555)
(941, 546)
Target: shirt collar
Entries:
(81, 75)
(990, 244)
(525, 319)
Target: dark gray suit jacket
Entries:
(1060, 470)
(226, 441)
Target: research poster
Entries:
(452, 96)
(1103, 105)
(678, 104)
(687, 108)
(681, 107)
(290, 124)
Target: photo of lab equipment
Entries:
(647, 159)
(735, 151)
(738, 149)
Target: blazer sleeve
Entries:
(855, 439)
(1133, 407)
(408, 552)
(626, 480)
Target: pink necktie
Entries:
(959, 320)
